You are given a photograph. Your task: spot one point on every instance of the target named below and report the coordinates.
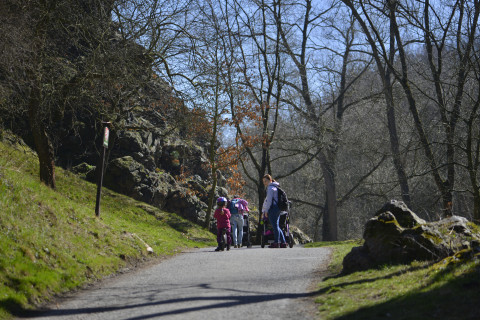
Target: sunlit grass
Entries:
(420, 290)
(52, 242)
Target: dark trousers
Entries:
(219, 235)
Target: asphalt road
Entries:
(245, 283)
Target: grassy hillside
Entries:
(51, 241)
(420, 290)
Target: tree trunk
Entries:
(329, 228)
(445, 187)
(318, 217)
(476, 207)
(42, 142)
(211, 202)
(395, 148)
(391, 119)
(261, 170)
(212, 155)
(261, 198)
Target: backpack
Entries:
(282, 201)
(234, 206)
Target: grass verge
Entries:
(419, 290)
(52, 243)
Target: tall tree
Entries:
(254, 100)
(384, 57)
(465, 16)
(318, 112)
(70, 60)
(33, 25)
(210, 67)
(418, 15)
(472, 146)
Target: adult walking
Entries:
(271, 211)
(237, 208)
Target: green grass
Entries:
(419, 290)
(52, 242)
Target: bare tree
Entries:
(316, 111)
(68, 58)
(465, 16)
(381, 54)
(210, 68)
(449, 30)
(252, 97)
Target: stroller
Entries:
(267, 232)
(246, 231)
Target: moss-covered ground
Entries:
(52, 242)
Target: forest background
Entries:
(346, 103)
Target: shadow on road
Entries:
(218, 301)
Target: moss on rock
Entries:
(389, 240)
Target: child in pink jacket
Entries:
(222, 214)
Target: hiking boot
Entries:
(273, 245)
(218, 249)
(283, 245)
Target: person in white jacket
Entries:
(271, 211)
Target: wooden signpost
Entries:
(106, 134)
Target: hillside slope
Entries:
(52, 243)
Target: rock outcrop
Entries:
(397, 235)
(150, 158)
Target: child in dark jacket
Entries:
(222, 214)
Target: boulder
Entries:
(397, 235)
(358, 259)
(83, 169)
(178, 157)
(127, 176)
(129, 142)
(299, 237)
(144, 146)
(197, 186)
(186, 205)
(381, 234)
(404, 216)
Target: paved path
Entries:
(245, 283)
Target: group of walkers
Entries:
(229, 215)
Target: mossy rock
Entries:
(457, 258)
(390, 241)
(405, 217)
(83, 169)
